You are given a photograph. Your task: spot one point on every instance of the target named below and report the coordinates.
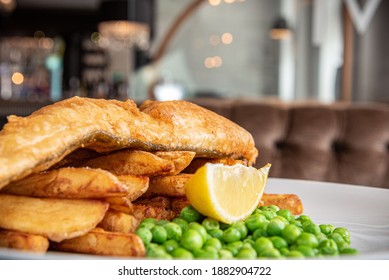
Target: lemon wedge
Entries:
(226, 193)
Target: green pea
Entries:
(307, 239)
(306, 250)
(234, 247)
(303, 218)
(146, 225)
(182, 223)
(157, 252)
(225, 254)
(255, 221)
(295, 254)
(296, 222)
(152, 246)
(342, 245)
(248, 241)
(270, 253)
(162, 222)
(241, 226)
(200, 229)
(326, 229)
(275, 227)
(257, 211)
(282, 219)
(189, 214)
(213, 242)
(328, 247)
(279, 242)
(337, 238)
(344, 233)
(149, 220)
(246, 253)
(290, 233)
(171, 245)
(269, 214)
(321, 236)
(191, 240)
(206, 254)
(159, 234)
(217, 233)
(286, 214)
(209, 223)
(231, 235)
(284, 251)
(274, 208)
(173, 231)
(144, 234)
(349, 251)
(182, 253)
(210, 248)
(259, 232)
(262, 244)
(311, 227)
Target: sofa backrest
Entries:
(345, 143)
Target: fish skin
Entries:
(35, 143)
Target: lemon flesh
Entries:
(226, 193)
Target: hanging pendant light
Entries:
(280, 30)
(118, 25)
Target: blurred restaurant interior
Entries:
(175, 49)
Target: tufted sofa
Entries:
(345, 143)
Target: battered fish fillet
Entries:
(37, 142)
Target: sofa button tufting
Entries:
(280, 145)
(338, 147)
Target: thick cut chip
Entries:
(172, 185)
(69, 183)
(158, 201)
(23, 241)
(226, 193)
(136, 185)
(131, 162)
(290, 202)
(100, 242)
(180, 159)
(57, 219)
(75, 157)
(119, 222)
(121, 204)
(122, 201)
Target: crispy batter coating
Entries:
(37, 142)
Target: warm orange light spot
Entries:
(227, 38)
(214, 2)
(17, 78)
(213, 62)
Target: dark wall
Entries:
(72, 25)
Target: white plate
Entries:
(363, 210)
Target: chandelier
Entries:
(119, 27)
